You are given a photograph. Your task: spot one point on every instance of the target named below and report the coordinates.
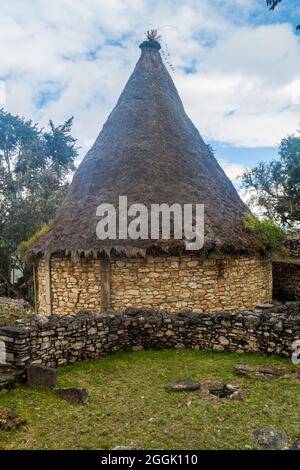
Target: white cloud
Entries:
(244, 90)
(247, 94)
(232, 170)
(2, 93)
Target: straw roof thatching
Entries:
(150, 151)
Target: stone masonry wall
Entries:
(163, 283)
(59, 339)
(174, 283)
(74, 286)
(292, 243)
(286, 279)
(286, 272)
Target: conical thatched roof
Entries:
(150, 151)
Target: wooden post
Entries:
(48, 287)
(105, 284)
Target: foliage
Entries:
(25, 245)
(35, 165)
(272, 4)
(270, 235)
(129, 406)
(276, 184)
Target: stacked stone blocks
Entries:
(163, 283)
(60, 339)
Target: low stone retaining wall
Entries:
(292, 243)
(286, 272)
(57, 340)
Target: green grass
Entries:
(129, 405)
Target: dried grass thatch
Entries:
(150, 151)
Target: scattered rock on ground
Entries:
(9, 420)
(212, 389)
(269, 438)
(237, 395)
(9, 376)
(74, 395)
(7, 381)
(295, 445)
(244, 369)
(263, 372)
(127, 448)
(41, 376)
(183, 386)
(267, 372)
(221, 390)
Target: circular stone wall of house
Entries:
(165, 283)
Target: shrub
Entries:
(269, 235)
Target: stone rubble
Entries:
(263, 372)
(183, 386)
(9, 421)
(73, 395)
(41, 376)
(9, 376)
(269, 438)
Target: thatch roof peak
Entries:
(150, 151)
(150, 44)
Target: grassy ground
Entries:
(129, 405)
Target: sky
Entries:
(236, 66)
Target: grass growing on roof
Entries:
(129, 405)
(25, 245)
(270, 235)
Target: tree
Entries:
(272, 4)
(34, 168)
(276, 185)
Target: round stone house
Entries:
(150, 152)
